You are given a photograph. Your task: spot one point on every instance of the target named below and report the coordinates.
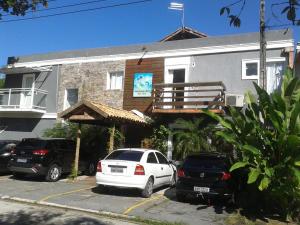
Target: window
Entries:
(250, 69)
(161, 158)
(115, 81)
(71, 97)
(125, 155)
(151, 158)
(275, 71)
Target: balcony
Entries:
(23, 100)
(188, 97)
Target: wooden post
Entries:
(112, 138)
(263, 44)
(77, 149)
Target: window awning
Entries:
(22, 70)
(98, 113)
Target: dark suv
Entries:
(205, 175)
(46, 157)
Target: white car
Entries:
(144, 169)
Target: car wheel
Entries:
(148, 190)
(173, 181)
(181, 197)
(54, 173)
(91, 169)
(232, 200)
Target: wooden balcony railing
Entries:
(188, 97)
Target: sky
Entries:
(133, 24)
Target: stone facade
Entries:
(91, 81)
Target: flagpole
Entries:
(182, 18)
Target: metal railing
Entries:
(22, 99)
(175, 97)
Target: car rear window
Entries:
(206, 163)
(32, 143)
(125, 155)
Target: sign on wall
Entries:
(142, 84)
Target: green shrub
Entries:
(267, 137)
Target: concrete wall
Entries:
(91, 81)
(18, 128)
(226, 67)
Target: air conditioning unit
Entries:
(236, 100)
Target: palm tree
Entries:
(191, 137)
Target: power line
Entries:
(76, 11)
(63, 6)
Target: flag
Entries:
(176, 6)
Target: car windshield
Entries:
(213, 163)
(125, 155)
(32, 143)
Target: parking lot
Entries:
(84, 194)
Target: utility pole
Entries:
(263, 46)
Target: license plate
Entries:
(116, 170)
(201, 189)
(22, 160)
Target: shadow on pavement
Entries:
(122, 192)
(46, 218)
(219, 206)
(125, 192)
(33, 178)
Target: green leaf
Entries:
(264, 183)
(222, 11)
(297, 163)
(252, 149)
(297, 174)
(238, 165)
(253, 175)
(269, 171)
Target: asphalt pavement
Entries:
(84, 194)
(12, 213)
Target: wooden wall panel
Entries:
(155, 66)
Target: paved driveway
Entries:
(84, 194)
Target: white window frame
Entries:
(245, 61)
(108, 79)
(252, 77)
(66, 97)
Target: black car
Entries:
(6, 149)
(205, 175)
(46, 157)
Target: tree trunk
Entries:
(112, 139)
(76, 162)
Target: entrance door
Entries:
(26, 95)
(274, 75)
(178, 77)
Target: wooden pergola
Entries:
(88, 112)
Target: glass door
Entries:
(26, 94)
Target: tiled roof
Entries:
(103, 112)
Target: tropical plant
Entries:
(2, 81)
(190, 137)
(267, 136)
(62, 130)
(159, 138)
(118, 138)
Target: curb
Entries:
(61, 206)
